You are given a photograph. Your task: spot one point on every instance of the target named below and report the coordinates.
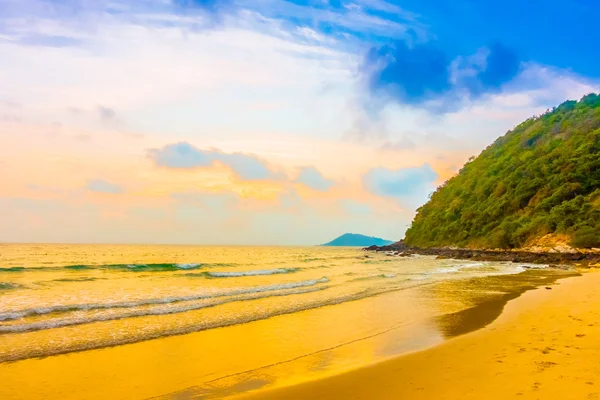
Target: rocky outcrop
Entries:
(576, 258)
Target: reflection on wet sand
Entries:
(489, 300)
(484, 298)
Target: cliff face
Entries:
(541, 179)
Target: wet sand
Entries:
(544, 345)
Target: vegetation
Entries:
(542, 177)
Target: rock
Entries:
(557, 260)
(548, 288)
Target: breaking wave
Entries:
(60, 323)
(118, 267)
(18, 314)
(456, 268)
(9, 286)
(259, 272)
(12, 269)
(195, 325)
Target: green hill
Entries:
(541, 178)
(353, 239)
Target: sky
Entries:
(264, 122)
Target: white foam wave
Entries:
(187, 266)
(447, 270)
(533, 266)
(456, 268)
(64, 322)
(17, 314)
(193, 325)
(218, 274)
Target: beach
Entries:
(543, 346)
(189, 322)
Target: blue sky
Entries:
(254, 122)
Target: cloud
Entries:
(10, 104)
(102, 186)
(200, 3)
(180, 155)
(486, 71)
(107, 114)
(213, 7)
(409, 185)
(213, 201)
(312, 178)
(183, 155)
(424, 73)
(109, 118)
(282, 67)
(49, 41)
(338, 19)
(399, 145)
(10, 118)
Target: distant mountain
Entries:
(353, 239)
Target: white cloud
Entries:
(478, 123)
(175, 75)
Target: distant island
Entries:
(538, 186)
(353, 239)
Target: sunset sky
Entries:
(263, 121)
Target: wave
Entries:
(524, 267)
(532, 266)
(76, 267)
(119, 267)
(187, 266)
(9, 286)
(77, 279)
(125, 267)
(149, 267)
(446, 270)
(61, 323)
(379, 261)
(18, 314)
(259, 272)
(194, 326)
(456, 268)
(376, 276)
(12, 269)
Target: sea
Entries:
(202, 322)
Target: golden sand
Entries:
(545, 345)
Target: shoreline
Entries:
(580, 259)
(541, 346)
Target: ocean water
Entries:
(136, 322)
